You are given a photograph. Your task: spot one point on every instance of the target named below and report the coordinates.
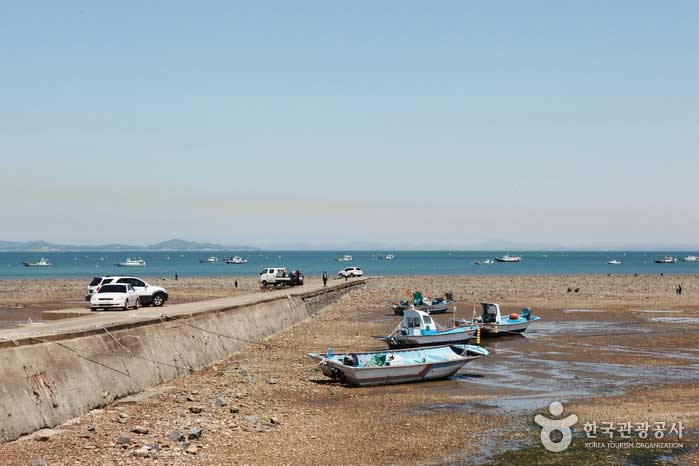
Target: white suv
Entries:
(149, 295)
(350, 272)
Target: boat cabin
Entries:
(416, 323)
(491, 314)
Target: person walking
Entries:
(325, 279)
(176, 276)
(236, 283)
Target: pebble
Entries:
(272, 381)
(221, 402)
(123, 440)
(139, 430)
(234, 409)
(142, 452)
(195, 409)
(175, 436)
(192, 450)
(194, 434)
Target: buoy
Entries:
(478, 336)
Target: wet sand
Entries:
(622, 349)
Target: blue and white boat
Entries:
(419, 329)
(397, 366)
(492, 322)
(429, 305)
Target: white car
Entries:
(121, 296)
(350, 272)
(148, 294)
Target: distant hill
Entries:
(170, 245)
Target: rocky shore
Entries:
(604, 350)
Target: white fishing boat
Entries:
(491, 321)
(614, 262)
(236, 260)
(509, 258)
(419, 329)
(398, 366)
(388, 257)
(345, 258)
(665, 260)
(132, 263)
(40, 263)
(691, 259)
(209, 260)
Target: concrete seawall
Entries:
(56, 372)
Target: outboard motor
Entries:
(449, 296)
(526, 313)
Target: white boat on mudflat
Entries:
(236, 260)
(397, 366)
(132, 263)
(419, 329)
(428, 305)
(492, 322)
(40, 263)
(509, 258)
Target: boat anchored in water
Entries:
(614, 262)
(40, 263)
(691, 259)
(429, 305)
(419, 329)
(388, 257)
(665, 260)
(398, 366)
(132, 263)
(509, 258)
(236, 260)
(209, 260)
(345, 258)
(491, 322)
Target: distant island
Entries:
(169, 245)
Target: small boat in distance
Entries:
(132, 263)
(691, 259)
(388, 257)
(40, 263)
(508, 258)
(209, 260)
(398, 366)
(614, 262)
(345, 258)
(665, 260)
(419, 329)
(236, 260)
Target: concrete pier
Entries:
(58, 370)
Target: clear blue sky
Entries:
(321, 124)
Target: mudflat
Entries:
(621, 349)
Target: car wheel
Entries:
(158, 300)
(264, 282)
(126, 305)
(93, 309)
(138, 303)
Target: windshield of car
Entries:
(96, 281)
(113, 289)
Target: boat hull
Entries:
(502, 329)
(440, 308)
(122, 264)
(410, 341)
(371, 376)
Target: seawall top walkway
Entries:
(98, 322)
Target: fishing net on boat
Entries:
(376, 360)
